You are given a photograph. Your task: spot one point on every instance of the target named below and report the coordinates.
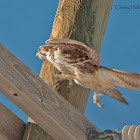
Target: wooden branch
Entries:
(38, 100)
(83, 20)
(11, 127)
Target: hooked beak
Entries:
(37, 55)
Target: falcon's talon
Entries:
(98, 103)
(100, 94)
(56, 84)
(96, 97)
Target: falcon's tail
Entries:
(119, 78)
(113, 92)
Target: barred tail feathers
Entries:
(119, 78)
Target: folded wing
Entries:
(76, 51)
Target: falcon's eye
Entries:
(40, 48)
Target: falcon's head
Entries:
(43, 51)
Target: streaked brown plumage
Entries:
(78, 62)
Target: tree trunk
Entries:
(82, 20)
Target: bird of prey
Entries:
(79, 63)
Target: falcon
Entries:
(79, 63)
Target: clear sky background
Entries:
(26, 24)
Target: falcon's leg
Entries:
(67, 77)
(96, 97)
(60, 76)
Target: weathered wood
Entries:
(35, 132)
(11, 127)
(38, 100)
(83, 20)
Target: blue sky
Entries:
(25, 25)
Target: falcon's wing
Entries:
(76, 51)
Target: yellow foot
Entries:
(95, 99)
(98, 103)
